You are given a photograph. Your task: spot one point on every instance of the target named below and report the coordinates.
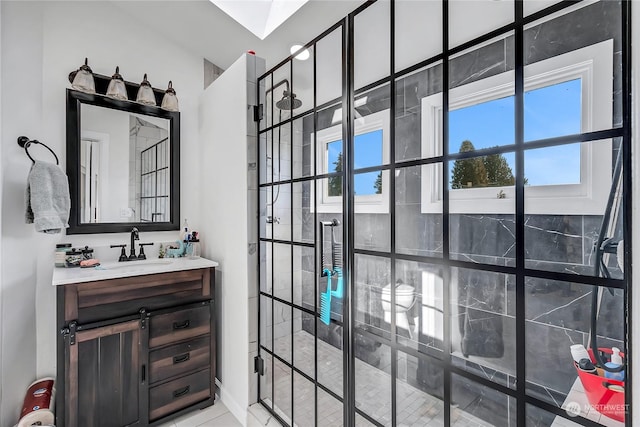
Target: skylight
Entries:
(260, 17)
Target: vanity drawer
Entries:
(180, 325)
(107, 299)
(178, 359)
(180, 393)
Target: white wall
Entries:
(21, 113)
(41, 43)
(229, 192)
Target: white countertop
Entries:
(116, 270)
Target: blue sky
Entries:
(368, 152)
(549, 112)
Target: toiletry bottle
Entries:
(61, 254)
(587, 366)
(616, 361)
(578, 352)
(194, 243)
(185, 231)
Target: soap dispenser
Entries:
(615, 357)
(616, 361)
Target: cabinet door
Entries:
(106, 377)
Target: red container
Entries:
(605, 395)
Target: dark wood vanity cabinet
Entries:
(135, 351)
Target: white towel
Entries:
(48, 201)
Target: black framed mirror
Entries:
(123, 164)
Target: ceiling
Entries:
(207, 31)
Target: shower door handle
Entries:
(324, 268)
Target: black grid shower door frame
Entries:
(313, 180)
(520, 270)
(155, 147)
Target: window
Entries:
(371, 149)
(577, 175)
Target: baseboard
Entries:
(238, 411)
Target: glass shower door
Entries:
(483, 231)
(301, 193)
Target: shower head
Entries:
(288, 101)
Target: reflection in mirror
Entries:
(124, 167)
(150, 144)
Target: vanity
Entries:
(137, 342)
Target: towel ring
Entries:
(25, 142)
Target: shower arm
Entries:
(280, 83)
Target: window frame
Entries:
(369, 203)
(592, 64)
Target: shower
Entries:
(288, 102)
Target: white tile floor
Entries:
(577, 396)
(214, 416)
(415, 407)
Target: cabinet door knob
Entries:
(182, 325)
(181, 358)
(181, 392)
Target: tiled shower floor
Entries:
(414, 408)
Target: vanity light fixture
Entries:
(303, 55)
(82, 79)
(145, 93)
(117, 89)
(170, 101)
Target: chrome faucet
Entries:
(135, 235)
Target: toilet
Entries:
(405, 298)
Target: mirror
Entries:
(123, 165)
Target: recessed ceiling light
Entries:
(303, 55)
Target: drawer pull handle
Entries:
(182, 325)
(181, 358)
(181, 392)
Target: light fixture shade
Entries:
(83, 79)
(117, 89)
(170, 100)
(145, 93)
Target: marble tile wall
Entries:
(255, 67)
(557, 313)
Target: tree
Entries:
(485, 171)
(335, 182)
(468, 172)
(378, 184)
(498, 171)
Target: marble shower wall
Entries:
(557, 313)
